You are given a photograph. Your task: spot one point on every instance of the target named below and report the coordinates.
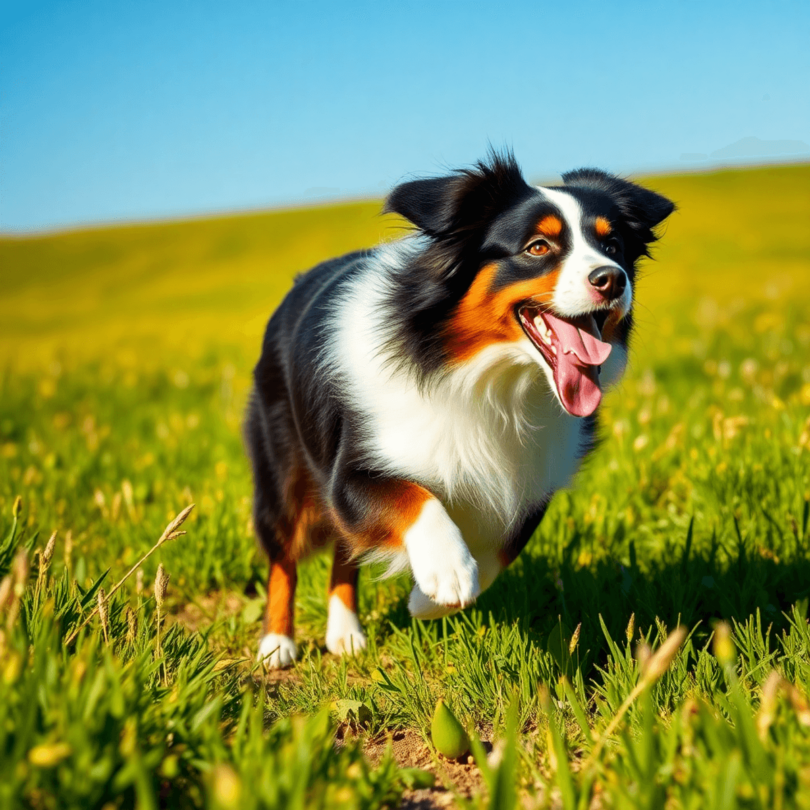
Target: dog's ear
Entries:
(431, 204)
(641, 208)
(463, 202)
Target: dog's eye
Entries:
(539, 248)
(612, 248)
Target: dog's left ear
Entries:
(641, 208)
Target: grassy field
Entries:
(125, 361)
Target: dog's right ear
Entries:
(458, 206)
(431, 205)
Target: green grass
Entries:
(125, 361)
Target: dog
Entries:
(419, 403)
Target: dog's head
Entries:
(550, 269)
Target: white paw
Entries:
(343, 632)
(422, 607)
(277, 651)
(442, 565)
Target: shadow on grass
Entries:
(687, 588)
(672, 584)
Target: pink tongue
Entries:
(579, 353)
(579, 388)
(576, 339)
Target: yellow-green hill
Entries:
(738, 234)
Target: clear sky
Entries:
(136, 110)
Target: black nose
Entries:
(610, 281)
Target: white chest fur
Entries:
(489, 439)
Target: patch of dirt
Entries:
(206, 609)
(276, 676)
(410, 751)
(409, 748)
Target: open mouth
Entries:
(574, 351)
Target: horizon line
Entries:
(330, 202)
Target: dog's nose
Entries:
(609, 281)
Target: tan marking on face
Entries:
(610, 326)
(602, 227)
(484, 316)
(550, 225)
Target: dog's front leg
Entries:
(391, 515)
(446, 573)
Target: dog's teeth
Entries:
(553, 350)
(543, 330)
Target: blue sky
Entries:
(136, 110)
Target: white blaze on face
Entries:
(573, 294)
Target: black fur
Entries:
(527, 527)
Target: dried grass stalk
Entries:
(44, 564)
(132, 626)
(169, 533)
(655, 667)
(161, 585)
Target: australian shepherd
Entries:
(421, 402)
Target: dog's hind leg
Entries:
(280, 515)
(343, 631)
